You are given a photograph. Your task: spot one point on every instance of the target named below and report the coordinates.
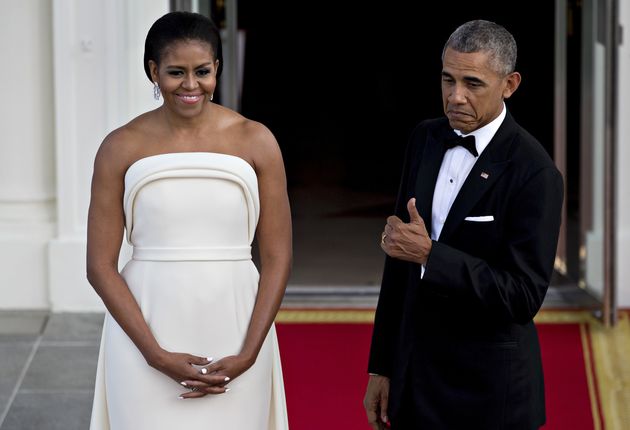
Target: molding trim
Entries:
(27, 212)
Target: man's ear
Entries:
(512, 81)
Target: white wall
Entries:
(623, 163)
(27, 186)
(99, 85)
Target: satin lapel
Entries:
(426, 177)
(488, 168)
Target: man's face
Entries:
(472, 91)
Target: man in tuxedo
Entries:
(470, 252)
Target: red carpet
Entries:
(324, 367)
(566, 385)
(325, 375)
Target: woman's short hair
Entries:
(181, 26)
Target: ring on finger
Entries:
(193, 388)
(383, 236)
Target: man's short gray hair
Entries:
(485, 36)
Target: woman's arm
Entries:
(274, 236)
(274, 239)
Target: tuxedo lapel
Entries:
(426, 175)
(488, 168)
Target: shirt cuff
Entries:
(422, 270)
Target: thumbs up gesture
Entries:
(407, 241)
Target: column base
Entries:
(69, 289)
(24, 261)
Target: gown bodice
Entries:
(191, 206)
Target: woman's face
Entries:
(187, 76)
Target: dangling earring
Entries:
(211, 97)
(156, 91)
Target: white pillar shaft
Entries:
(99, 86)
(27, 188)
(26, 114)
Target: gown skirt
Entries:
(191, 219)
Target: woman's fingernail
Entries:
(181, 397)
(209, 359)
(227, 389)
(184, 384)
(204, 371)
(227, 378)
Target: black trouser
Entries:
(404, 419)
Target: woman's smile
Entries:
(190, 98)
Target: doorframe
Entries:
(612, 40)
(560, 123)
(607, 17)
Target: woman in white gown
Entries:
(188, 339)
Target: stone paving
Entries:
(47, 368)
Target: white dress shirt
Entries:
(456, 165)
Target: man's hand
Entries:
(409, 242)
(375, 402)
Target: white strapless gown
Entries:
(191, 219)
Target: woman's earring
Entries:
(156, 91)
(211, 97)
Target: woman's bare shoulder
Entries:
(260, 144)
(246, 132)
(260, 140)
(122, 146)
(245, 137)
(232, 122)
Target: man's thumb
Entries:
(414, 216)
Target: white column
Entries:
(623, 161)
(99, 85)
(27, 189)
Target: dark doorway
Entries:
(342, 84)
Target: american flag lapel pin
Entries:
(484, 175)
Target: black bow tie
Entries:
(467, 142)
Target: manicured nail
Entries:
(184, 384)
(227, 389)
(385, 420)
(227, 378)
(204, 371)
(209, 359)
(181, 398)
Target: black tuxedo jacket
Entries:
(459, 345)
